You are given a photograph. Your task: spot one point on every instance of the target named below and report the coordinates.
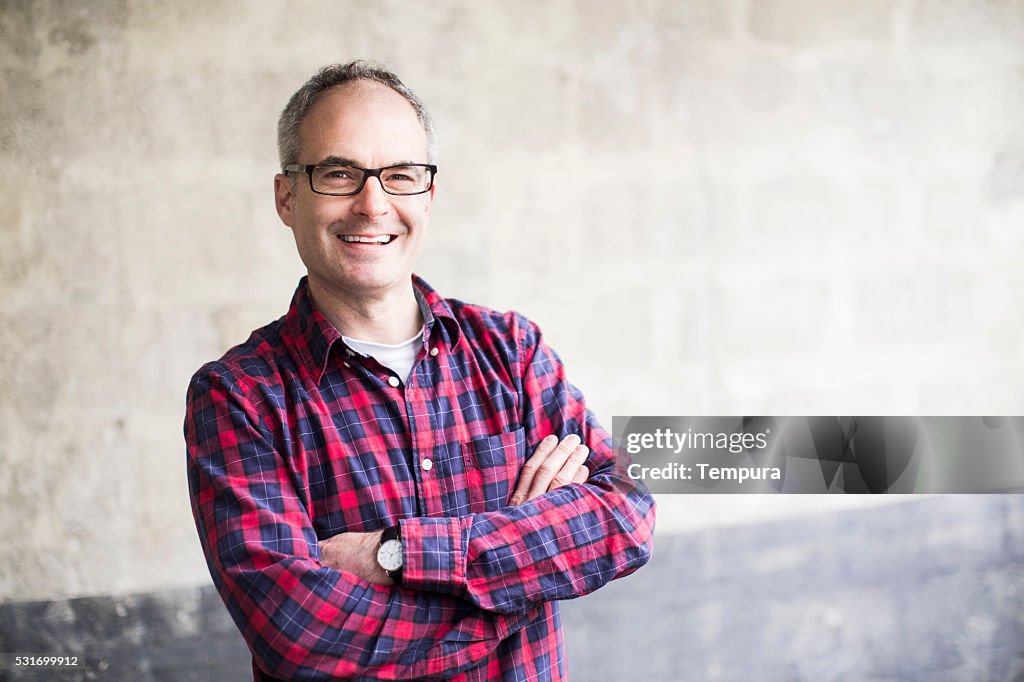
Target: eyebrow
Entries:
(342, 161)
(338, 160)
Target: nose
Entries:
(372, 201)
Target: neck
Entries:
(391, 316)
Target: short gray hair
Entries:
(328, 77)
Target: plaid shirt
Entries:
(293, 437)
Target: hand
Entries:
(552, 465)
(355, 553)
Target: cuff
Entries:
(433, 555)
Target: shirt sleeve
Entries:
(562, 544)
(303, 620)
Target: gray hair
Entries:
(328, 77)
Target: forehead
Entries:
(365, 122)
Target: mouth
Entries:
(369, 241)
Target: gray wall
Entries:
(710, 206)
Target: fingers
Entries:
(568, 473)
(552, 465)
(582, 474)
(545, 448)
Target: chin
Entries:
(369, 282)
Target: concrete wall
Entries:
(711, 207)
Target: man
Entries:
(358, 469)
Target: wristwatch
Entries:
(389, 554)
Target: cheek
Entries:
(419, 214)
(313, 216)
(313, 212)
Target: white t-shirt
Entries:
(398, 357)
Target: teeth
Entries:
(379, 239)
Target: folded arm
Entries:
(561, 544)
(553, 465)
(303, 619)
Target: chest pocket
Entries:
(483, 473)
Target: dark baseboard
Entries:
(931, 589)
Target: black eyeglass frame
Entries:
(367, 174)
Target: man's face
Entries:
(368, 125)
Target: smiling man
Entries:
(389, 484)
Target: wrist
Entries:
(390, 555)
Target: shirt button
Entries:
(394, 381)
(348, 365)
(433, 352)
(426, 464)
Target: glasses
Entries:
(338, 180)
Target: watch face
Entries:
(389, 555)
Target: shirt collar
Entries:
(314, 336)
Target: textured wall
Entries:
(711, 206)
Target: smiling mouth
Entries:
(379, 240)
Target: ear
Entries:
(284, 198)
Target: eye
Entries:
(401, 174)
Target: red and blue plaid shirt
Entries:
(293, 437)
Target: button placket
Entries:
(422, 436)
